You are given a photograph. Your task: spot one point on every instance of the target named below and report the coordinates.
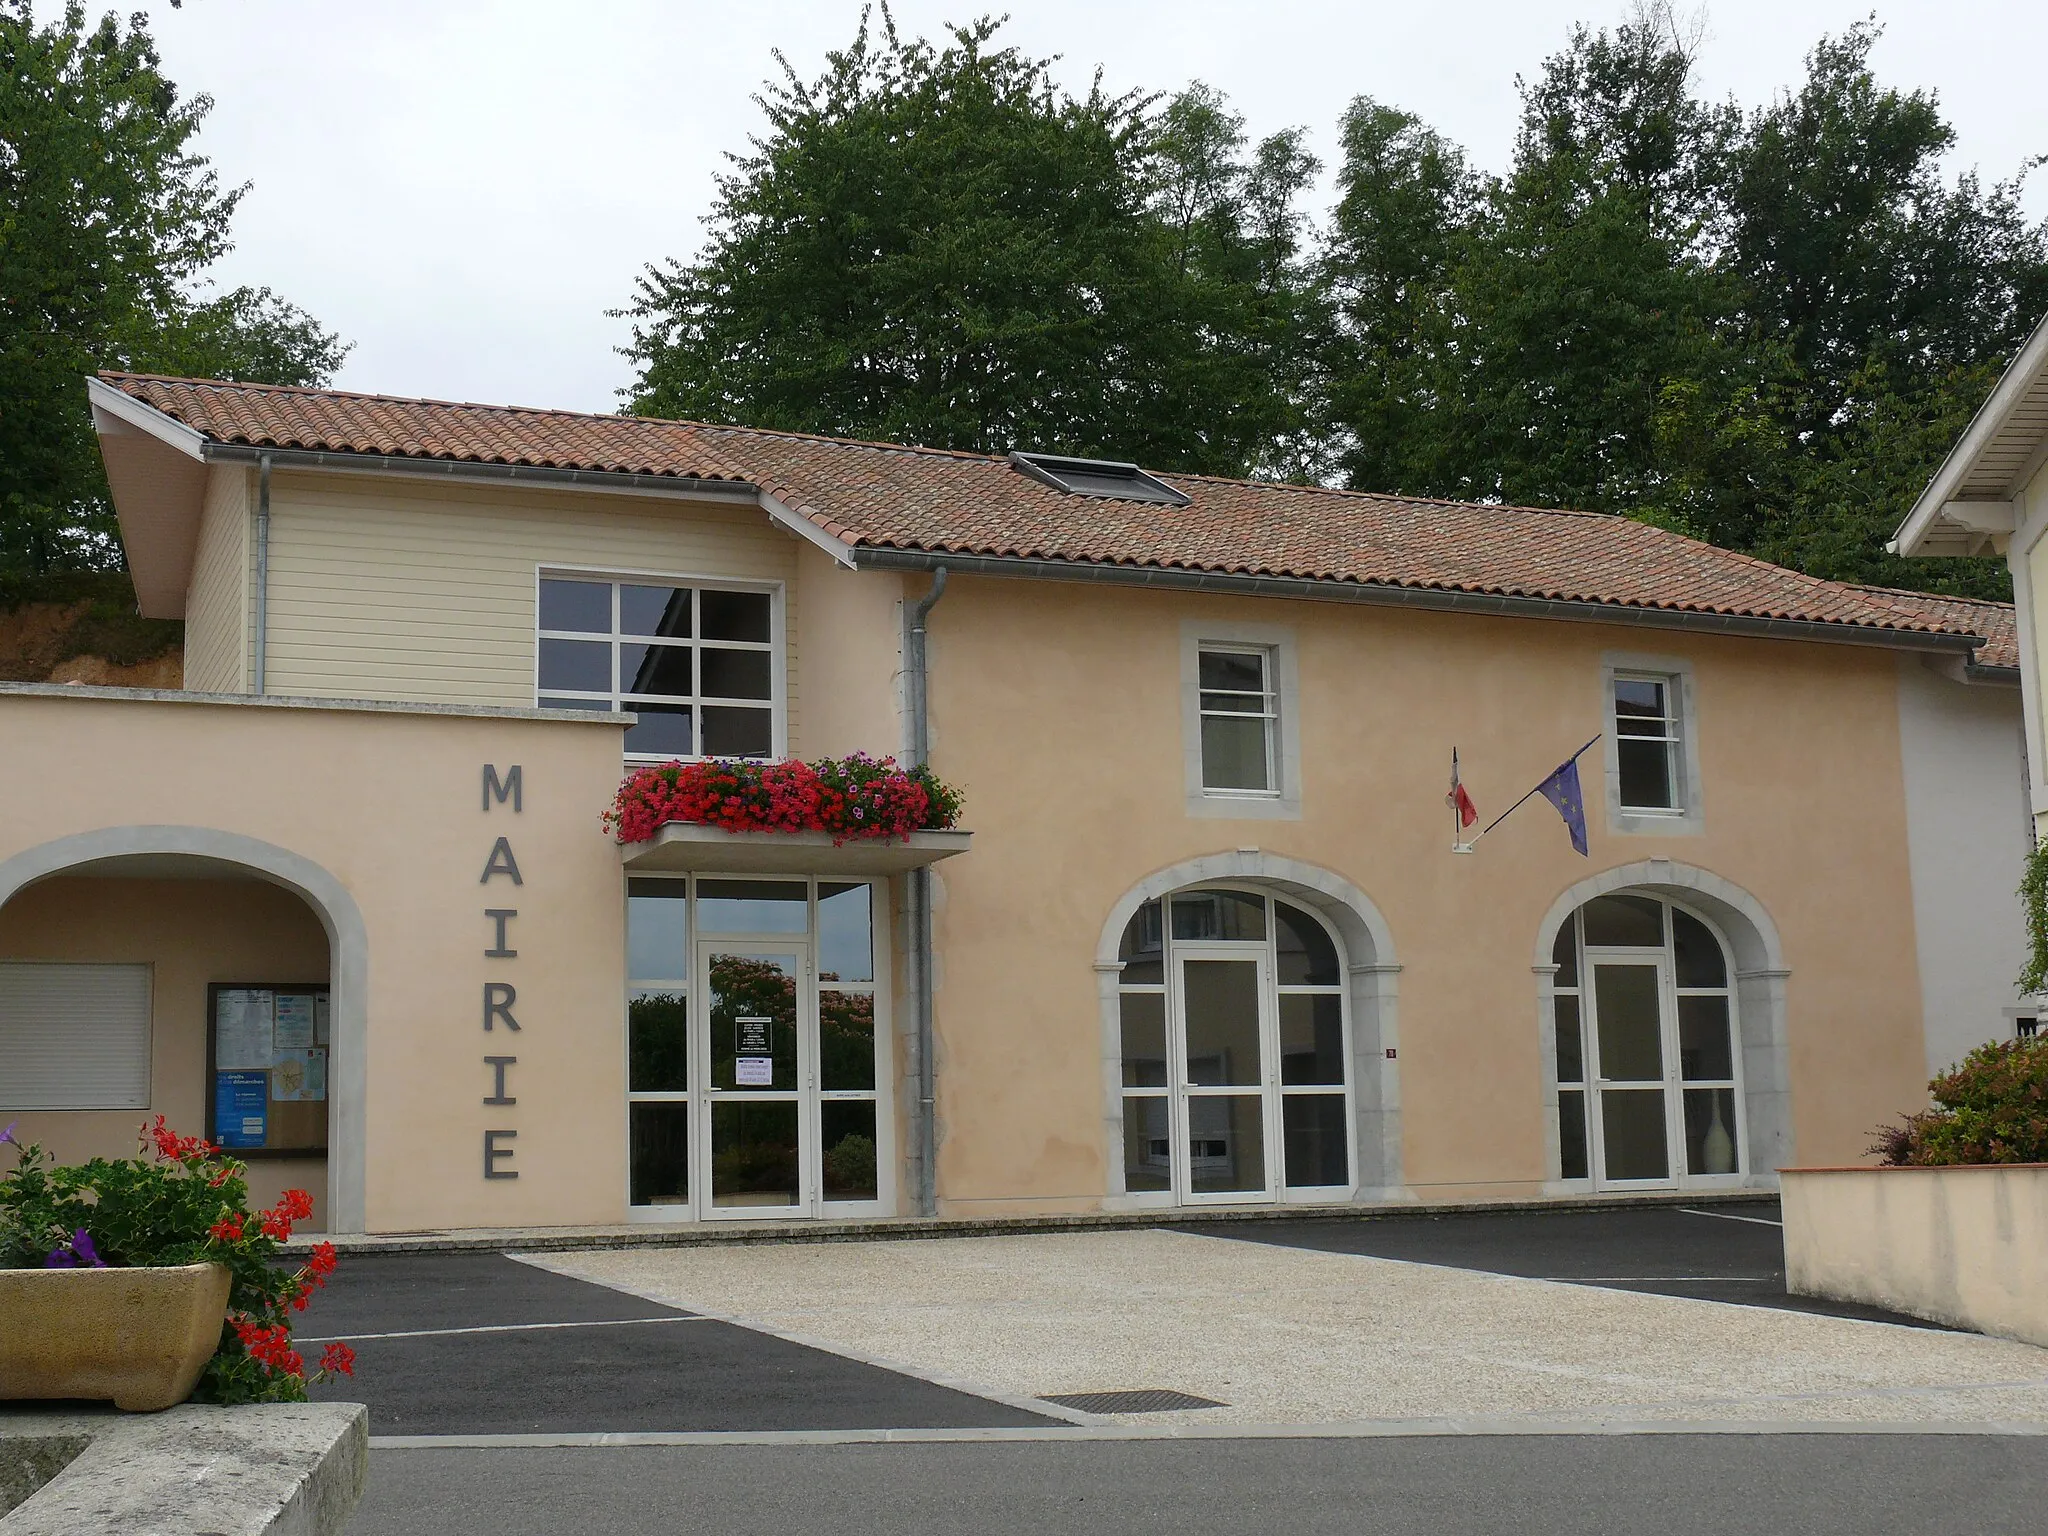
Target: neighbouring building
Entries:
(345, 903)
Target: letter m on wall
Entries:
(502, 790)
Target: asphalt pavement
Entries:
(1670, 1485)
(480, 1344)
(1732, 1252)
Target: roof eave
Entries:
(1440, 599)
(1941, 522)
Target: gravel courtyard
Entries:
(1291, 1336)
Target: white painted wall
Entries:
(1967, 831)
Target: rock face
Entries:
(41, 643)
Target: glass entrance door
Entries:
(1629, 1032)
(760, 1136)
(1226, 1099)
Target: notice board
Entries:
(266, 1062)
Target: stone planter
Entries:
(1964, 1246)
(139, 1337)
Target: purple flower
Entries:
(8, 1134)
(79, 1253)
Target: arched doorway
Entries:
(1248, 1007)
(1662, 1017)
(185, 907)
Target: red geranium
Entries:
(857, 797)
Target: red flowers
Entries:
(853, 797)
(293, 1205)
(337, 1360)
(228, 1229)
(172, 1147)
(270, 1346)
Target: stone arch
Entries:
(1760, 977)
(348, 948)
(1372, 987)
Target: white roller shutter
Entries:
(73, 1036)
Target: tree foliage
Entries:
(109, 220)
(1762, 327)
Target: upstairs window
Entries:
(697, 664)
(1240, 713)
(1647, 744)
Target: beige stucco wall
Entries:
(217, 602)
(1966, 1246)
(190, 933)
(390, 806)
(388, 587)
(1057, 709)
(848, 633)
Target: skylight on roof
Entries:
(1097, 477)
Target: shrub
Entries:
(855, 797)
(1993, 1108)
(185, 1204)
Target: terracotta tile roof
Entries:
(888, 496)
(1995, 622)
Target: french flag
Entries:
(1457, 799)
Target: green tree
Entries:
(938, 245)
(109, 220)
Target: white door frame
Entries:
(804, 1095)
(1184, 1093)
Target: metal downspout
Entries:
(262, 570)
(916, 679)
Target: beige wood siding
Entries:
(217, 603)
(393, 588)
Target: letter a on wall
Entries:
(501, 863)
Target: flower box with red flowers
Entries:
(787, 815)
(148, 1280)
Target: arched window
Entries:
(1235, 1047)
(1649, 1069)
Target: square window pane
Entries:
(1234, 753)
(656, 945)
(581, 605)
(1226, 1143)
(655, 669)
(659, 1035)
(753, 1153)
(1571, 1058)
(735, 615)
(663, 730)
(654, 611)
(846, 1041)
(752, 1013)
(660, 1141)
(1645, 772)
(1632, 1126)
(1144, 1038)
(1233, 671)
(732, 732)
(1710, 1131)
(1312, 1127)
(1705, 1052)
(752, 906)
(1634, 922)
(1217, 915)
(581, 665)
(736, 674)
(846, 949)
(1637, 698)
(1148, 1145)
(846, 1130)
(1307, 956)
(1571, 1136)
(1311, 1038)
(602, 706)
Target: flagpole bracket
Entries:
(1461, 847)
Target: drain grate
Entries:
(1135, 1400)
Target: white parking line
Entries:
(1758, 1221)
(436, 1333)
(1649, 1279)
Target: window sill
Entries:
(1225, 804)
(692, 846)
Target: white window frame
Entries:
(810, 1095)
(776, 647)
(1676, 674)
(1282, 801)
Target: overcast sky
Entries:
(463, 187)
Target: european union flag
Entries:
(1561, 789)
